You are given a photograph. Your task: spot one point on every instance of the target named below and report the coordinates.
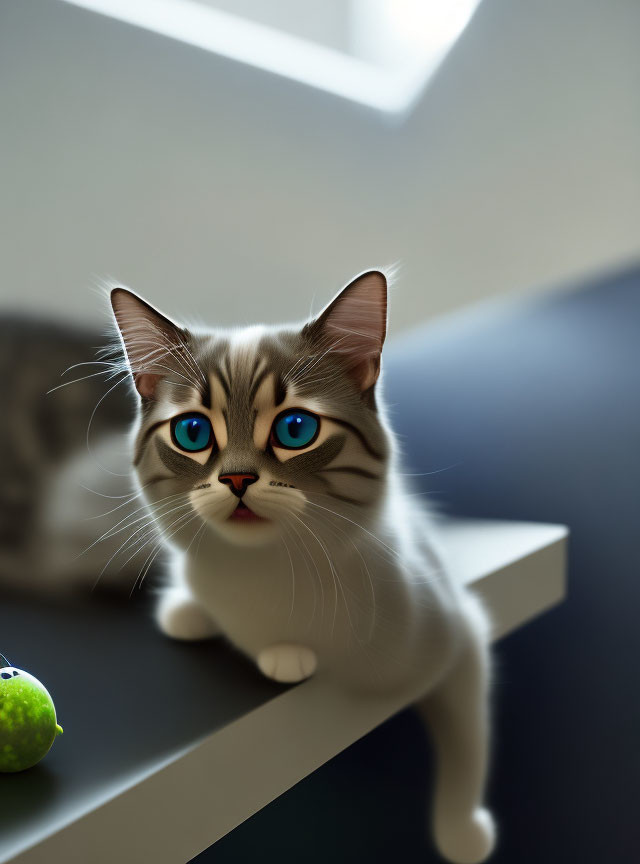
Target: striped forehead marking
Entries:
(240, 371)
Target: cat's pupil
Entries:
(192, 430)
(295, 426)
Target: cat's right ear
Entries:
(151, 341)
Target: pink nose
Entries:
(238, 482)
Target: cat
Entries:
(42, 441)
(266, 458)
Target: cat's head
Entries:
(244, 431)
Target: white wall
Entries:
(222, 191)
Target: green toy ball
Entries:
(27, 719)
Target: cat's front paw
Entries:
(181, 617)
(467, 841)
(287, 663)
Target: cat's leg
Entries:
(457, 713)
(180, 616)
(287, 662)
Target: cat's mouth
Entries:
(242, 513)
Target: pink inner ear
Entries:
(366, 372)
(146, 384)
(355, 327)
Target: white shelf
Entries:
(174, 807)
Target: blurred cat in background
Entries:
(46, 466)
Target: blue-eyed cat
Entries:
(266, 458)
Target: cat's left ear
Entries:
(154, 344)
(353, 327)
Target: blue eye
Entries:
(295, 429)
(191, 432)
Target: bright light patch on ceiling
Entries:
(394, 45)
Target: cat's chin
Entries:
(247, 532)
